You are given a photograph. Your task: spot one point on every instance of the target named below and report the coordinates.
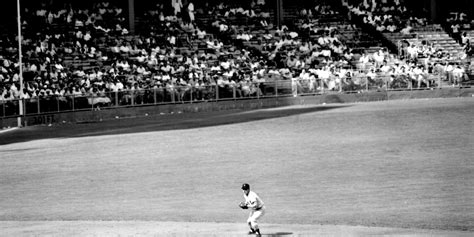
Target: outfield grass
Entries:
(389, 164)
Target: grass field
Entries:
(397, 164)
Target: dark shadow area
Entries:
(13, 150)
(277, 234)
(153, 123)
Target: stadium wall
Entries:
(329, 98)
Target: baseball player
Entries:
(256, 206)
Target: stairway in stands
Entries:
(432, 33)
(470, 34)
(440, 38)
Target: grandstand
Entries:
(88, 54)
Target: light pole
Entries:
(20, 101)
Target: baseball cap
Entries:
(245, 186)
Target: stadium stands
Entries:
(85, 57)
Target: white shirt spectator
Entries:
(223, 27)
(79, 34)
(391, 28)
(323, 73)
(87, 36)
(406, 30)
(371, 74)
(172, 40)
(33, 67)
(200, 33)
(191, 11)
(244, 36)
(124, 49)
(458, 72)
(379, 57)
(177, 5)
(326, 52)
(455, 28)
(225, 65)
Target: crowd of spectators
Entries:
(393, 16)
(65, 32)
(287, 53)
(386, 16)
(418, 50)
(154, 60)
(323, 61)
(177, 59)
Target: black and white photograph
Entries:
(237, 118)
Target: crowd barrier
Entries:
(187, 94)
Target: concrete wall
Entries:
(113, 113)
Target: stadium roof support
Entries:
(20, 72)
(131, 16)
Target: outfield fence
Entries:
(210, 93)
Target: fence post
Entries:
(154, 96)
(322, 86)
(234, 92)
(276, 88)
(22, 107)
(132, 95)
(439, 81)
(116, 99)
(57, 103)
(217, 92)
(191, 94)
(367, 84)
(38, 104)
(294, 87)
(92, 102)
(258, 90)
(173, 99)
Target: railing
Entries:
(211, 93)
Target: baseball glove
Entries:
(243, 205)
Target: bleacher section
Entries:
(228, 52)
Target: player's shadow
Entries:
(277, 234)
